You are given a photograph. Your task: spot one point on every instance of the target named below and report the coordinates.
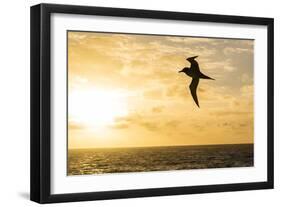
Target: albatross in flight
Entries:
(196, 74)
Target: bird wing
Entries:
(193, 64)
(193, 88)
(191, 58)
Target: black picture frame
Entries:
(41, 99)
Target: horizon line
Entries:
(154, 146)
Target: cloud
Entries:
(177, 90)
(152, 126)
(75, 126)
(247, 90)
(148, 122)
(230, 113)
(172, 123)
(190, 40)
(157, 109)
(245, 78)
(222, 65)
(120, 126)
(135, 120)
(237, 50)
(156, 93)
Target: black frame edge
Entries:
(125, 194)
(155, 14)
(35, 25)
(40, 100)
(270, 103)
(40, 103)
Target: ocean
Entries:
(144, 159)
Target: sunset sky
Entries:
(125, 91)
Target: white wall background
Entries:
(14, 101)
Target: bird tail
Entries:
(205, 77)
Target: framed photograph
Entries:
(133, 103)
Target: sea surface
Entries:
(143, 159)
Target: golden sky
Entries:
(125, 91)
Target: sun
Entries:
(96, 107)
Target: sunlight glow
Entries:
(95, 107)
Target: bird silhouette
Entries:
(195, 73)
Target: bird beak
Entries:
(180, 71)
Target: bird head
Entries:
(183, 70)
